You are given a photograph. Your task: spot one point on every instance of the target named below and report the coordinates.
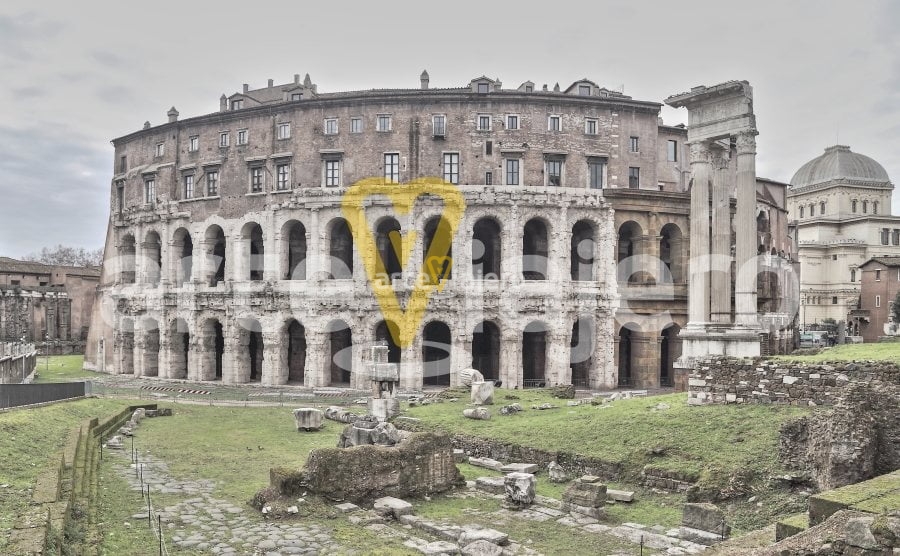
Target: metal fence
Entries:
(16, 395)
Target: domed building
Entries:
(841, 203)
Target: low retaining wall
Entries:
(17, 395)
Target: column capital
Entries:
(746, 142)
(700, 152)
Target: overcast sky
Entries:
(76, 77)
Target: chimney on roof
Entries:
(271, 83)
(147, 124)
(223, 103)
(296, 79)
(173, 115)
(246, 88)
(424, 79)
(545, 87)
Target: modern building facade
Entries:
(229, 257)
(841, 203)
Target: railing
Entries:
(534, 383)
(17, 395)
(16, 349)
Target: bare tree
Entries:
(67, 256)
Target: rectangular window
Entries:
(123, 163)
(439, 125)
(331, 126)
(120, 196)
(332, 173)
(223, 139)
(512, 121)
(212, 183)
(885, 236)
(242, 137)
(877, 301)
(878, 275)
(483, 87)
(634, 178)
(596, 171)
(834, 300)
(283, 177)
(160, 149)
(895, 237)
(554, 123)
(356, 125)
(512, 171)
(194, 143)
(283, 130)
(488, 178)
(484, 122)
(256, 179)
(554, 172)
(237, 104)
(150, 191)
(634, 144)
(451, 167)
(383, 122)
(189, 186)
(584, 90)
(590, 126)
(296, 96)
(392, 167)
(672, 150)
(488, 148)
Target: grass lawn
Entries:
(31, 443)
(884, 351)
(688, 439)
(63, 368)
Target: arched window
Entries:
(853, 205)
(865, 207)
(822, 208)
(801, 212)
(812, 210)
(853, 275)
(874, 207)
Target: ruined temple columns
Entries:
(720, 262)
(745, 228)
(698, 297)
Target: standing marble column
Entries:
(698, 296)
(745, 230)
(558, 370)
(274, 367)
(318, 361)
(511, 359)
(720, 275)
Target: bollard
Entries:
(149, 511)
(159, 528)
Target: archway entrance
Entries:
(486, 350)
(534, 355)
(436, 350)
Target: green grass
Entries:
(688, 439)
(31, 441)
(62, 368)
(887, 351)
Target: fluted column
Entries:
(720, 275)
(745, 228)
(698, 295)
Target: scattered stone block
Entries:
(858, 533)
(483, 393)
(477, 413)
(389, 506)
(705, 517)
(468, 376)
(439, 547)
(459, 455)
(481, 548)
(519, 468)
(519, 489)
(563, 391)
(619, 495)
(510, 409)
(557, 473)
(585, 496)
(472, 533)
(308, 418)
(698, 536)
(494, 485)
(544, 406)
(346, 507)
(341, 415)
(487, 463)
(114, 443)
(383, 408)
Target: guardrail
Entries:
(17, 395)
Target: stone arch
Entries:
(254, 252)
(486, 249)
(126, 347)
(293, 250)
(534, 354)
(179, 346)
(669, 352)
(151, 346)
(627, 352)
(340, 249)
(127, 252)
(628, 250)
(386, 331)
(671, 254)
(441, 264)
(436, 353)
(581, 350)
(387, 232)
(294, 350)
(182, 256)
(486, 349)
(340, 352)
(535, 249)
(152, 257)
(251, 345)
(216, 246)
(582, 251)
(213, 349)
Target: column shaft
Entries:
(745, 230)
(698, 295)
(720, 275)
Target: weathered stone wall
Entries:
(420, 465)
(17, 362)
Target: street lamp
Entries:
(23, 358)
(47, 352)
